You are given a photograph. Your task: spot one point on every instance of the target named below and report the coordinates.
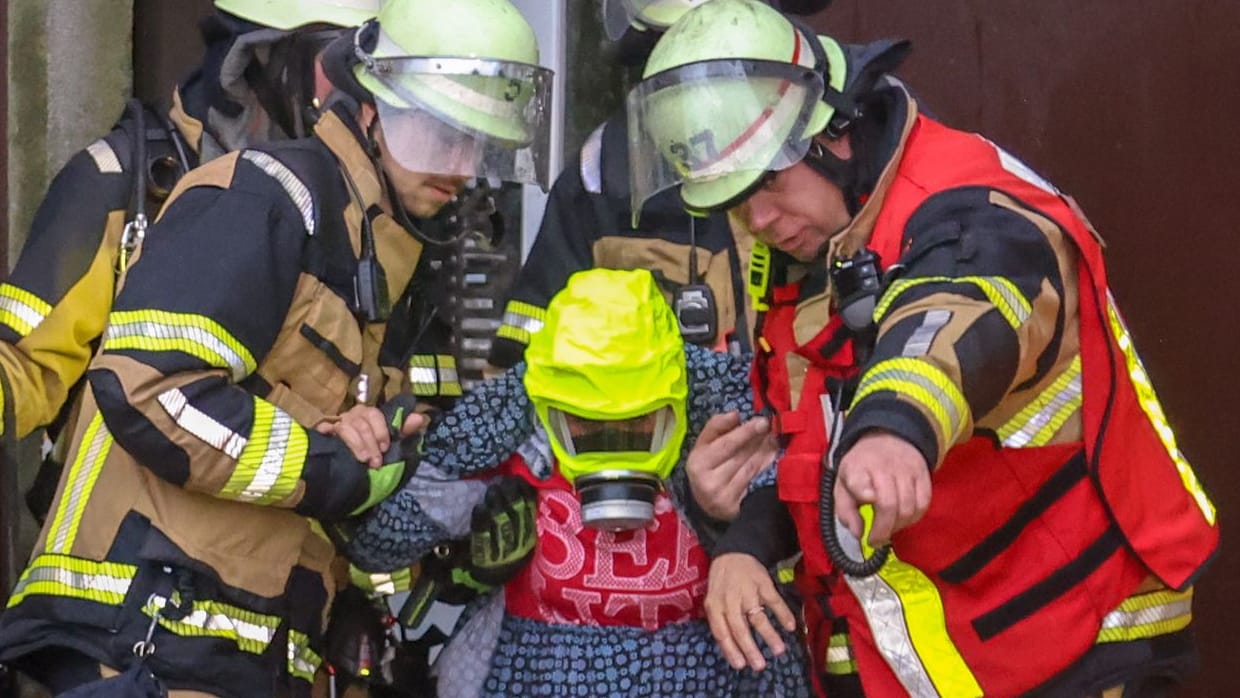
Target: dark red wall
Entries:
(1133, 108)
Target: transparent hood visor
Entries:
(716, 127)
(647, 433)
(466, 117)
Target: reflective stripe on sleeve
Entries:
(196, 335)
(294, 187)
(303, 662)
(1039, 420)
(434, 374)
(521, 321)
(105, 157)
(1001, 292)
(923, 383)
(201, 424)
(272, 460)
(22, 310)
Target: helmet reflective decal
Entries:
(717, 126)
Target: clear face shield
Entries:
(716, 127)
(615, 458)
(466, 117)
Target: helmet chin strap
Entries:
(844, 174)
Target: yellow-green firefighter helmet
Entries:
(458, 89)
(619, 15)
(731, 91)
(291, 14)
(493, 30)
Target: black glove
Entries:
(502, 532)
(501, 541)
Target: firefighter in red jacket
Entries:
(946, 364)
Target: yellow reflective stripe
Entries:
(521, 321)
(840, 659)
(87, 465)
(1039, 420)
(1002, 294)
(303, 662)
(906, 618)
(253, 632)
(785, 575)
(201, 424)
(434, 374)
(925, 384)
(21, 309)
(74, 577)
(1154, 412)
(386, 583)
(271, 463)
(196, 335)
(1148, 615)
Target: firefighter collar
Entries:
(856, 235)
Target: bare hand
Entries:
(725, 459)
(886, 471)
(739, 597)
(365, 431)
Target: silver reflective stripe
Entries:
(201, 424)
(1120, 618)
(302, 661)
(297, 191)
(885, 614)
(82, 581)
(1054, 407)
(233, 361)
(923, 337)
(936, 391)
(523, 322)
(592, 162)
(421, 374)
(105, 158)
(448, 374)
(78, 491)
(202, 620)
(839, 655)
(273, 458)
(25, 313)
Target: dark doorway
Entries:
(166, 45)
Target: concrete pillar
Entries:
(68, 77)
(69, 64)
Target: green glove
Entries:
(501, 541)
(502, 531)
(401, 458)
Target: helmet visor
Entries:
(716, 127)
(467, 117)
(646, 433)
